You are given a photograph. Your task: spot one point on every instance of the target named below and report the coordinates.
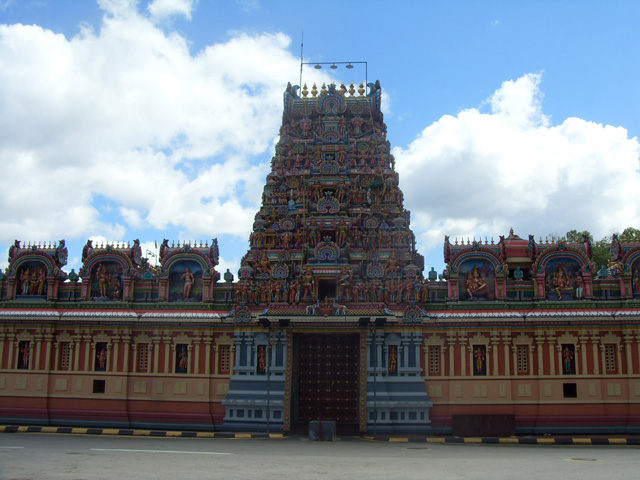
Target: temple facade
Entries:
(331, 318)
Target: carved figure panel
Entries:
(477, 280)
(185, 281)
(106, 281)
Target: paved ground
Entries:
(69, 456)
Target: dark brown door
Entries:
(328, 377)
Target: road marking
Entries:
(156, 451)
(16, 448)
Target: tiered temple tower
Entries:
(331, 243)
(332, 226)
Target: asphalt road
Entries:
(49, 456)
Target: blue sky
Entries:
(157, 119)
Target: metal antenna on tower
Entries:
(301, 57)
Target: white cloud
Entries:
(478, 174)
(128, 115)
(161, 9)
(132, 217)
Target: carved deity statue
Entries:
(474, 282)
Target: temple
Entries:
(331, 318)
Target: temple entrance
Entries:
(325, 380)
(326, 288)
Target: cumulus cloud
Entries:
(127, 117)
(161, 9)
(478, 174)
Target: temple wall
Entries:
(143, 381)
(451, 369)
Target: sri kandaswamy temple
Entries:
(331, 318)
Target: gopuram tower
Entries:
(331, 285)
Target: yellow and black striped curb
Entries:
(134, 432)
(559, 440)
(512, 440)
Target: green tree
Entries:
(630, 234)
(600, 248)
(601, 252)
(574, 236)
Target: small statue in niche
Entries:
(103, 279)
(560, 281)
(264, 266)
(579, 286)
(189, 280)
(475, 282)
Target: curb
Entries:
(135, 433)
(633, 441)
(511, 440)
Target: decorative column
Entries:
(167, 352)
(540, 353)
(126, 338)
(628, 339)
(416, 341)
(38, 339)
(115, 340)
(583, 353)
(451, 343)
(10, 364)
(155, 352)
(2, 339)
(495, 341)
(462, 339)
(552, 352)
(197, 338)
(506, 343)
(48, 338)
(595, 340)
(135, 367)
(87, 350)
(404, 342)
(207, 361)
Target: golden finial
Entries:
(361, 89)
(324, 88)
(305, 91)
(314, 89)
(343, 89)
(352, 89)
